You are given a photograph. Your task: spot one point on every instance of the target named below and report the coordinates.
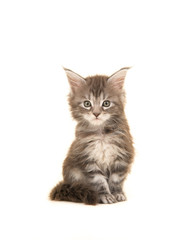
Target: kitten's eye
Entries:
(87, 104)
(106, 103)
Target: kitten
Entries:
(100, 158)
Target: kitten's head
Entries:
(97, 100)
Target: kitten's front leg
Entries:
(116, 184)
(99, 182)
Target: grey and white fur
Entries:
(102, 153)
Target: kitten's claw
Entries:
(120, 197)
(107, 198)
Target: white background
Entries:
(36, 129)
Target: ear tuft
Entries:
(117, 79)
(75, 80)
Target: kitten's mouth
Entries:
(97, 119)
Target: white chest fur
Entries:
(102, 150)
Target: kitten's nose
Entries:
(96, 114)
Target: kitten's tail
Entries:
(74, 193)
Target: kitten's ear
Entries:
(117, 79)
(75, 80)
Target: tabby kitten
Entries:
(100, 157)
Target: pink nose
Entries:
(96, 114)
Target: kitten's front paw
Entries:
(107, 198)
(120, 197)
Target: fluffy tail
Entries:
(74, 193)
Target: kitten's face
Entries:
(96, 100)
(95, 109)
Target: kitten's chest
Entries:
(103, 150)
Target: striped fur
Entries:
(100, 158)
